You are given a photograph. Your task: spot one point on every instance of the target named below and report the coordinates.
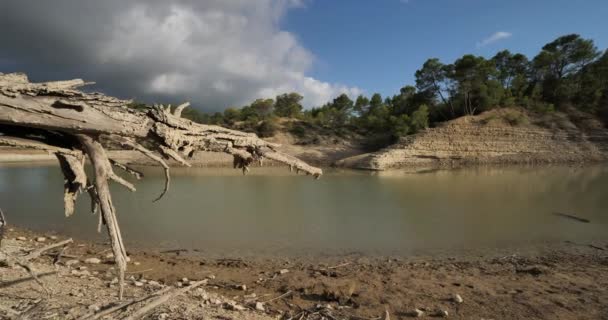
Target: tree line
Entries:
(569, 72)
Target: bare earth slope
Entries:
(502, 136)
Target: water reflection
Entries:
(273, 211)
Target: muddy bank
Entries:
(552, 281)
(497, 137)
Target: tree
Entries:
(433, 78)
(362, 105)
(288, 105)
(475, 89)
(420, 118)
(560, 59)
(263, 107)
(510, 67)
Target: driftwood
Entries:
(59, 118)
(162, 299)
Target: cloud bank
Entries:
(497, 36)
(215, 53)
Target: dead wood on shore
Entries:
(59, 118)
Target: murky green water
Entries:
(273, 211)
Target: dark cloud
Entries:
(215, 53)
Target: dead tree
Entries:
(59, 118)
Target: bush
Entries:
(267, 128)
(514, 118)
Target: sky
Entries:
(223, 53)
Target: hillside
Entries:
(499, 136)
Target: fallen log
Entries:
(60, 119)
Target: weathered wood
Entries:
(60, 119)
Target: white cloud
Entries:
(216, 53)
(497, 36)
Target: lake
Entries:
(271, 211)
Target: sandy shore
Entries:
(552, 281)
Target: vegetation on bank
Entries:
(569, 72)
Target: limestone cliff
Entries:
(503, 136)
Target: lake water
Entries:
(271, 211)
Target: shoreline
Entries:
(544, 282)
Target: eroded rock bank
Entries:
(501, 136)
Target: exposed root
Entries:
(137, 174)
(100, 162)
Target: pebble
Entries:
(443, 313)
(71, 262)
(136, 263)
(211, 277)
(138, 284)
(154, 283)
(82, 268)
(40, 239)
(259, 306)
(217, 301)
(109, 256)
(21, 238)
(250, 296)
(417, 313)
(185, 281)
(94, 307)
(53, 237)
(92, 261)
(457, 298)
(241, 287)
(163, 316)
(283, 271)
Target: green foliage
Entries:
(288, 105)
(267, 128)
(420, 118)
(569, 71)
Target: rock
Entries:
(21, 238)
(241, 287)
(211, 277)
(231, 305)
(443, 313)
(283, 271)
(136, 263)
(109, 256)
(114, 281)
(216, 301)
(40, 239)
(259, 306)
(82, 268)
(163, 316)
(417, 313)
(457, 298)
(154, 283)
(53, 237)
(138, 284)
(94, 307)
(250, 296)
(92, 261)
(71, 262)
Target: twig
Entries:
(139, 271)
(279, 297)
(569, 216)
(162, 299)
(340, 265)
(103, 313)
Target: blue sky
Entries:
(227, 53)
(377, 45)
